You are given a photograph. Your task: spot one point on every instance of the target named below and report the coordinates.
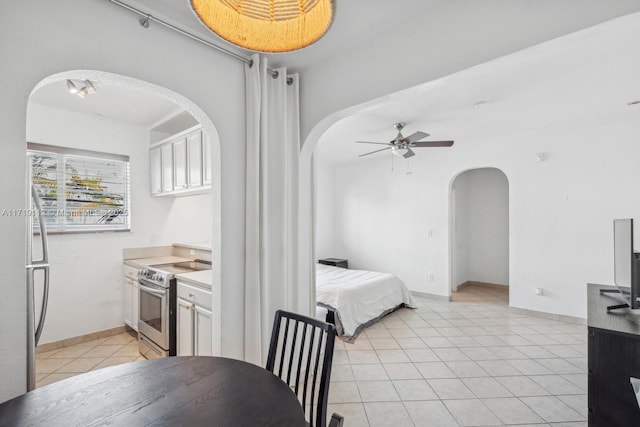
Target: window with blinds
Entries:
(80, 191)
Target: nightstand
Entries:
(336, 262)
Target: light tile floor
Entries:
(56, 365)
(469, 362)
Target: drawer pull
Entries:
(191, 295)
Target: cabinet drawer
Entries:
(130, 272)
(194, 294)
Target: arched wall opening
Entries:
(479, 228)
(86, 292)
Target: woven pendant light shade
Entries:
(267, 25)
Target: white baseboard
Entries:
(431, 296)
(551, 316)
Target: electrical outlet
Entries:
(539, 291)
(192, 251)
(430, 277)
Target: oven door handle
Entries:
(145, 288)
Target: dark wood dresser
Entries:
(614, 357)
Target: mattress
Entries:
(358, 297)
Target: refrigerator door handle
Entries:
(42, 264)
(43, 229)
(43, 309)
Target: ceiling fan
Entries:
(402, 146)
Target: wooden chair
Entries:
(300, 347)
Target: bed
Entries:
(357, 298)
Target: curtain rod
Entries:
(149, 17)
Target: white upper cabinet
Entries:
(167, 167)
(181, 164)
(155, 164)
(206, 156)
(194, 146)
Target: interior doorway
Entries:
(122, 119)
(480, 229)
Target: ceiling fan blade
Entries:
(409, 153)
(368, 142)
(432, 144)
(382, 149)
(417, 136)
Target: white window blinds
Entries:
(81, 191)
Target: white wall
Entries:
(78, 305)
(459, 231)
(327, 213)
(96, 35)
(480, 227)
(560, 210)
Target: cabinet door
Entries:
(184, 326)
(206, 159)
(155, 166)
(167, 167)
(180, 164)
(127, 301)
(194, 150)
(135, 305)
(203, 341)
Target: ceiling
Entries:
(583, 79)
(568, 80)
(355, 21)
(124, 104)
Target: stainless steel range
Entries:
(157, 310)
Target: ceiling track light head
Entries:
(82, 91)
(89, 86)
(72, 86)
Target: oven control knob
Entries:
(160, 278)
(155, 276)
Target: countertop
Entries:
(145, 262)
(201, 246)
(200, 278)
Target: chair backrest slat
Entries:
(284, 347)
(306, 371)
(307, 351)
(292, 351)
(300, 357)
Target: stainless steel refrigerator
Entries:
(41, 264)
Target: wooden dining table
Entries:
(174, 391)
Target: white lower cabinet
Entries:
(202, 333)
(185, 327)
(130, 302)
(194, 321)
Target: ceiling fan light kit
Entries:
(267, 25)
(402, 146)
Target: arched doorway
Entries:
(479, 230)
(155, 221)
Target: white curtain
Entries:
(273, 141)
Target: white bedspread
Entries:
(358, 296)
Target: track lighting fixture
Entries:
(83, 91)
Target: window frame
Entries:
(60, 152)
